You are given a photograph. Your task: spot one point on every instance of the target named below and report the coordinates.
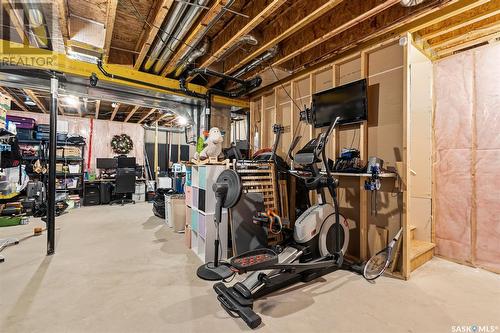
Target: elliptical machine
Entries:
(319, 242)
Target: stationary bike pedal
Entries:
(254, 260)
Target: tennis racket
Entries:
(377, 264)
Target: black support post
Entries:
(51, 211)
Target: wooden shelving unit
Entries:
(390, 133)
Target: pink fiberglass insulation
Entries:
(487, 88)
(467, 114)
(103, 133)
(453, 88)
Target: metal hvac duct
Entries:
(269, 54)
(180, 32)
(188, 57)
(192, 57)
(165, 33)
(246, 39)
(410, 3)
(164, 129)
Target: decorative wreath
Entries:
(122, 144)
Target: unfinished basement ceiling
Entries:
(274, 39)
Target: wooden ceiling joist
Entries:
(63, 19)
(153, 31)
(195, 34)
(147, 115)
(342, 18)
(395, 20)
(369, 33)
(110, 23)
(289, 23)
(16, 21)
(258, 10)
(97, 107)
(476, 39)
(451, 8)
(18, 103)
(162, 116)
(115, 110)
(465, 34)
(336, 17)
(35, 99)
(131, 113)
(480, 13)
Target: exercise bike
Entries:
(318, 246)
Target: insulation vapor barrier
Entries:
(467, 157)
(103, 132)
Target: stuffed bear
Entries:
(214, 145)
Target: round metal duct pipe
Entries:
(182, 29)
(165, 34)
(410, 3)
(192, 57)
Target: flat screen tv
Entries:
(349, 102)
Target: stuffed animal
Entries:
(214, 145)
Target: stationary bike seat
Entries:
(254, 260)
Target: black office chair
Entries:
(124, 185)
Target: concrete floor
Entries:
(119, 269)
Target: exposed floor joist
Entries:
(16, 21)
(97, 107)
(475, 39)
(18, 103)
(162, 116)
(153, 31)
(110, 23)
(239, 27)
(456, 7)
(353, 20)
(63, 19)
(115, 110)
(35, 99)
(147, 115)
(195, 34)
(336, 17)
(356, 38)
(131, 113)
(368, 32)
(465, 34)
(291, 22)
(474, 15)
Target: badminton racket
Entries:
(377, 264)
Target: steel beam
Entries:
(58, 62)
